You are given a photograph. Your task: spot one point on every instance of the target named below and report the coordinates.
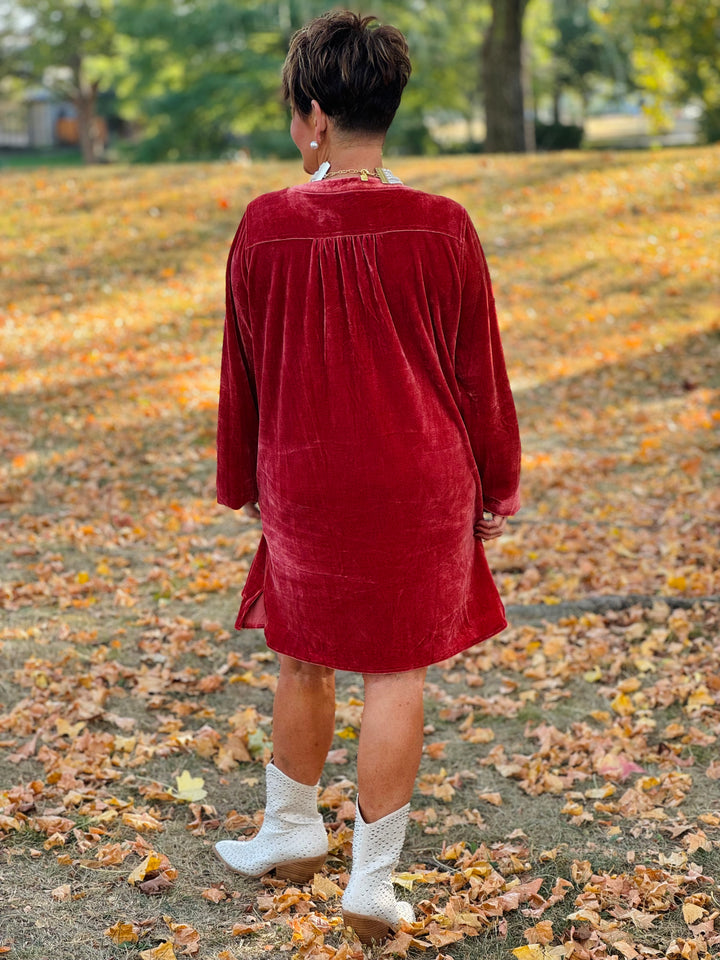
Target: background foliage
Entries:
(198, 79)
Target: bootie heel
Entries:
(299, 871)
(368, 929)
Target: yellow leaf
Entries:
(623, 705)
(324, 888)
(532, 952)
(347, 733)
(65, 729)
(454, 851)
(189, 788)
(406, 880)
(677, 582)
(163, 951)
(700, 698)
(151, 862)
(122, 932)
(692, 912)
(82, 577)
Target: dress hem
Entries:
(458, 647)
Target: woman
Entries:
(364, 404)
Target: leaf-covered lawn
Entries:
(569, 797)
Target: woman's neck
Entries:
(354, 156)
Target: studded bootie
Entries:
(368, 904)
(291, 841)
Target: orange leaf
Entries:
(184, 936)
(541, 933)
(122, 932)
(214, 894)
(242, 929)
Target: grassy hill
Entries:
(569, 803)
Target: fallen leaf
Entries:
(163, 951)
(189, 788)
(243, 929)
(214, 894)
(153, 886)
(692, 912)
(122, 932)
(494, 798)
(324, 888)
(541, 933)
(185, 937)
(150, 864)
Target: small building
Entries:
(40, 121)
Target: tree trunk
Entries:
(556, 103)
(528, 98)
(85, 98)
(503, 78)
(90, 147)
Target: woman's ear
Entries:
(319, 119)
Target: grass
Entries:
(38, 159)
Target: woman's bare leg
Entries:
(391, 741)
(303, 719)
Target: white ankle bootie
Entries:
(292, 839)
(368, 904)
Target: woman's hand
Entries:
(251, 510)
(490, 527)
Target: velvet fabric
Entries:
(365, 404)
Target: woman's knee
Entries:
(387, 684)
(302, 672)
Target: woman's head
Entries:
(352, 67)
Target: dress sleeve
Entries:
(237, 428)
(486, 402)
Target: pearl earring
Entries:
(314, 144)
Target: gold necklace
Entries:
(381, 173)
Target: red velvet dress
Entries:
(364, 403)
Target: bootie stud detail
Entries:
(291, 841)
(368, 904)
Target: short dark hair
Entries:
(353, 66)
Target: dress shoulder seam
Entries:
(369, 233)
